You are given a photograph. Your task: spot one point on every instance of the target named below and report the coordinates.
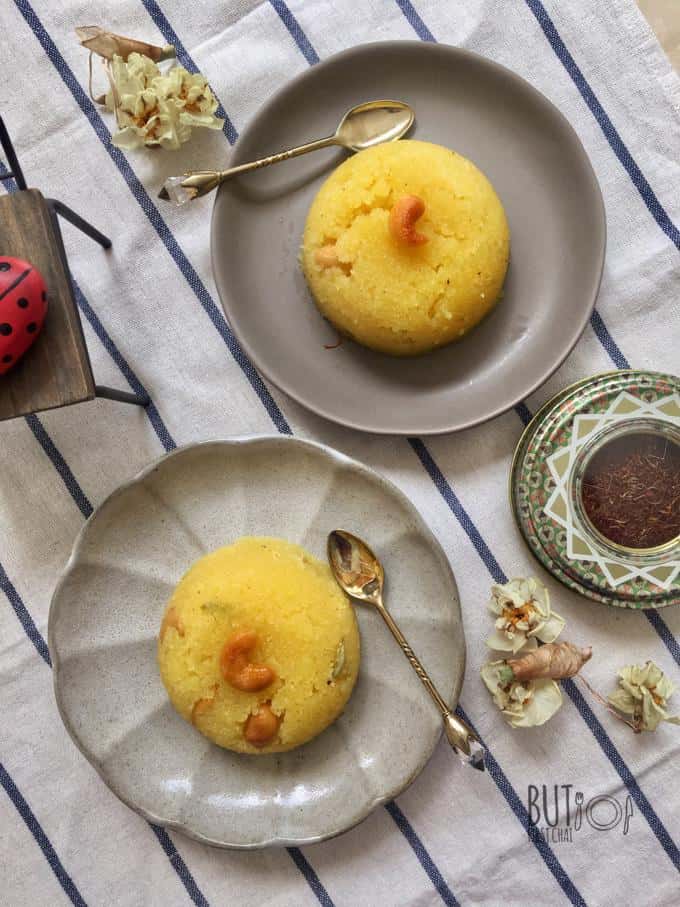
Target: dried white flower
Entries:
(523, 703)
(156, 109)
(643, 693)
(523, 614)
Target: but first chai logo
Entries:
(559, 812)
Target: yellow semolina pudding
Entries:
(259, 647)
(406, 247)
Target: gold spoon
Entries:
(360, 574)
(361, 127)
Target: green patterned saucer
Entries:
(545, 484)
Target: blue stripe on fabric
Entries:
(616, 143)
(607, 340)
(159, 426)
(60, 465)
(296, 32)
(421, 853)
(605, 742)
(152, 213)
(311, 877)
(24, 616)
(457, 509)
(41, 838)
(415, 21)
(522, 814)
(524, 412)
(171, 37)
(662, 628)
(179, 866)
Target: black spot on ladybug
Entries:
(5, 329)
(32, 327)
(7, 358)
(5, 266)
(22, 303)
(44, 296)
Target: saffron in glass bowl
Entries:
(631, 490)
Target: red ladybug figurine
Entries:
(23, 306)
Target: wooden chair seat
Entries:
(56, 370)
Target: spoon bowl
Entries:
(360, 574)
(373, 123)
(355, 567)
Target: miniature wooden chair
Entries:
(56, 370)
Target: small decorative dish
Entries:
(550, 194)
(106, 613)
(595, 488)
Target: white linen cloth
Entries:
(456, 836)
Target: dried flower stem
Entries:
(603, 701)
(100, 99)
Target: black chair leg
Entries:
(77, 221)
(12, 160)
(110, 393)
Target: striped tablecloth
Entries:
(153, 322)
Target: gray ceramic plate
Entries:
(107, 608)
(554, 206)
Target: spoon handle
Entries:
(196, 183)
(415, 661)
(459, 735)
(277, 158)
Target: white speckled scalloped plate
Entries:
(107, 608)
